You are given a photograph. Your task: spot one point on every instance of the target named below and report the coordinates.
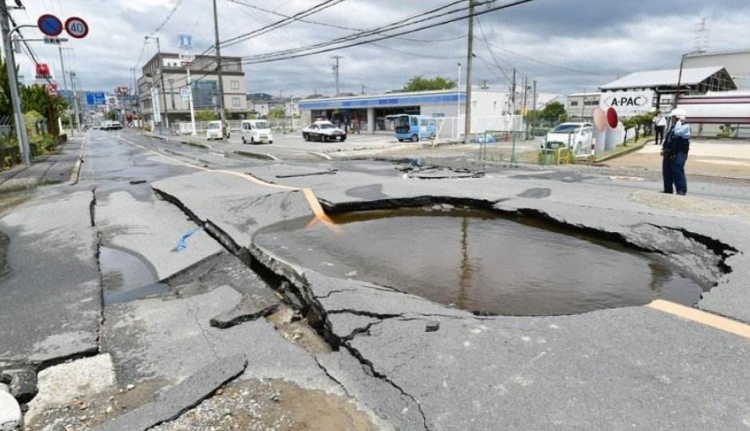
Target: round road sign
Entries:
(76, 27)
(50, 25)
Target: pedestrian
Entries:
(660, 121)
(675, 154)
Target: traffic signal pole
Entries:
(10, 63)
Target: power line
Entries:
(405, 22)
(492, 54)
(166, 20)
(300, 52)
(281, 23)
(336, 26)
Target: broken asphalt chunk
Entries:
(180, 398)
(251, 307)
(23, 384)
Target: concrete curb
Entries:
(76, 173)
(624, 152)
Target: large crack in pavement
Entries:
(699, 249)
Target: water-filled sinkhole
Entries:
(480, 261)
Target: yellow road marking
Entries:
(702, 317)
(312, 200)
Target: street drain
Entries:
(480, 261)
(125, 277)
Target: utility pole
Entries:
(65, 82)
(10, 63)
(363, 89)
(469, 63)
(336, 69)
(533, 119)
(75, 101)
(458, 104)
(192, 106)
(513, 93)
(219, 75)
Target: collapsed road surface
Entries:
(153, 294)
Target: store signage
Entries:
(628, 103)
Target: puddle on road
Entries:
(480, 261)
(126, 277)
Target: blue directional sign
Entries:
(50, 25)
(95, 98)
(186, 41)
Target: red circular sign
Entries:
(50, 25)
(612, 118)
(76, 27)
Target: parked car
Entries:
(214, 130)
(256, 132)
(577, 137)
(323, 131)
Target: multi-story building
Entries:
(165, 73)
(580, 106)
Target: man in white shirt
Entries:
(660, 121)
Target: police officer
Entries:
(675, 154)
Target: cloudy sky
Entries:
(566, 45)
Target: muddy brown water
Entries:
(480, 261)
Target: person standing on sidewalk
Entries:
(675, 154)
(660, 121)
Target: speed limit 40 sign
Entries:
(76, 27)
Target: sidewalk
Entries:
(713, 158)
(50, 169)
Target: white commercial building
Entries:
(491, 110)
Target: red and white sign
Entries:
(42, 70)
(76, 27)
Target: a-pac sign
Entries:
(628, 103)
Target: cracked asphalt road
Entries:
(405, 362)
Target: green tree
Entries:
(420, 83)
(111, 116)
(35, 98)
(277, 114)
(6, 107)
(206, 115)
(555, 110)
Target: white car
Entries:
(214, 130)
(256, 132)
(111, 125)
(323, 131)
(575, 136)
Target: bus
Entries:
(414, 127)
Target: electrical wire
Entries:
(281, 23)
(166, 20)
(300, 52)
(404, 22)
(336, 26)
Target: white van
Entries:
(213, 130)
(256, 132)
